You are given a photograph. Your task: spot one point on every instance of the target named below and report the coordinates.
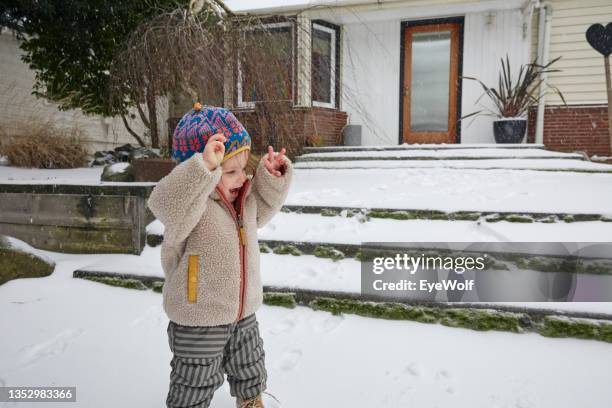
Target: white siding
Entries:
(582, 80)
(371, 70)
(484, 46)
(19, 106)
(371, 76)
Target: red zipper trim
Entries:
(238, 219)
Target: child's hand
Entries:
(274, 162)
(214, 151)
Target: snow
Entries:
(118, 167)
(431, 146)
(523, 164)
(155, 228)
(449, 153)
(317, 228)
(20, 246)
(454, 190)
(111, 344)
(83, 176)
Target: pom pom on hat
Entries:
(199, 124)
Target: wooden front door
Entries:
(431, 71)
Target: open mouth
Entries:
(234, 191)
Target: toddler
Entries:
(211, 211)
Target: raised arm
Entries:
(179, 199)
(271, 186)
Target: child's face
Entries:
(233, 175)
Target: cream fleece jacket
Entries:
(201, 251)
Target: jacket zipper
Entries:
(238, 219)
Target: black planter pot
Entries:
(509, 131)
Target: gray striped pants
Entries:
(203, 354)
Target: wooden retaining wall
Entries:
(76, 218)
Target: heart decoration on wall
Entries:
(600, 38)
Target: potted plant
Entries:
(512, 99)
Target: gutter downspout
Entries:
(545, 22)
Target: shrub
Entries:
(43, 145)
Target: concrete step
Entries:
(480, 317)
(438, 154)
(332, 149)
(524, 164)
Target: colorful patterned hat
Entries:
(199, 124)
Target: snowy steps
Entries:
(425, 214)
(483, 157)
(480, 317)
(304, 296)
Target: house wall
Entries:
(582, 125)
(19, 107)
(582, 78)
(371, 60)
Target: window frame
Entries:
(334, 30)
(240, 103)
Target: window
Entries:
(323, 77)
(265, 68)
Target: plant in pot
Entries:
(512, 99)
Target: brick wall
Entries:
(575, 127)
(303, 122)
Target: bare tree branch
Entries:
(131, 132)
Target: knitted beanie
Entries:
(199, 124)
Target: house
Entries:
(395, 67)
(18, 106)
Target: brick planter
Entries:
(152, 169)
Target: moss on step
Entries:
(327, 212)
(518, 218)
(114, 281)
(391, 311)
(474, 319)
(286, 250)
(548, 220)
(395, 215)
(157, 287)
(482, 320)
(280, 299)
(264, 248)
(548, 265)
(494, 218)
(328, 252)
(557, 326)
(586, 217)
(464, 216)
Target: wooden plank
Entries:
(67, 210)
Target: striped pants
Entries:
(203, 354)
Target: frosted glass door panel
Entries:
(430, 81)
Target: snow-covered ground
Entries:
(446, 189)
(317, 228)
(454, 190)
(111, 344)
